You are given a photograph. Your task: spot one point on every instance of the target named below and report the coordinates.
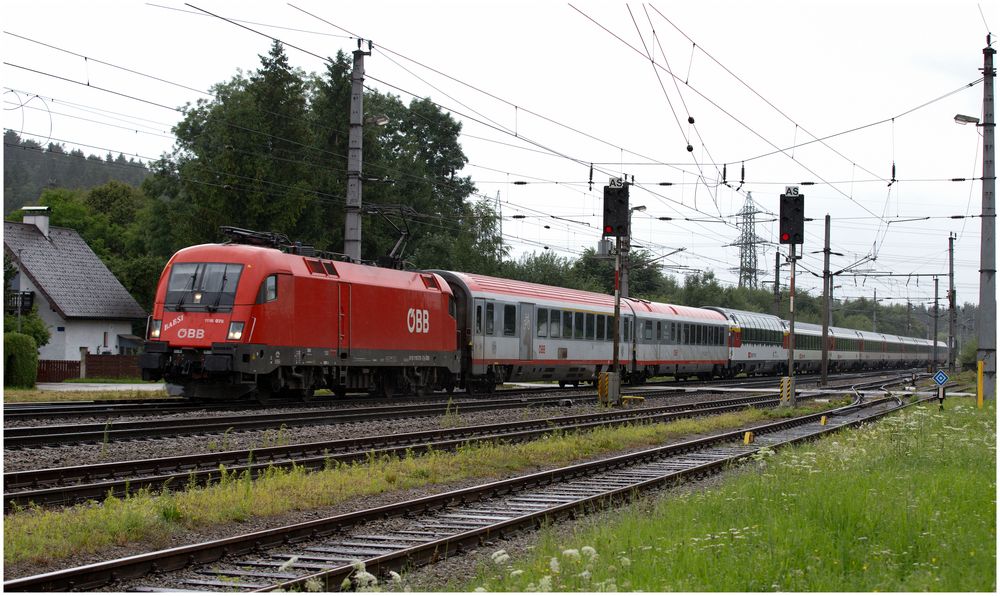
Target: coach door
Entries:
(526, 330)
(478, 329)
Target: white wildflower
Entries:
(584, 575)
(288, 564)
(314, 584)
(571, 554)
(516, 572)
(480, 589)
(545, 584)
(395, 577)
(365, 579)
(589, 552)
(554, 565)
(358, 565)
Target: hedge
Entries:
(20, 360)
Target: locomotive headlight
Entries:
(154, 330)
(235, 331)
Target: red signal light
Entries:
(609, 230)
(785, 236)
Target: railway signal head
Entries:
(615, 211)
(791, 218)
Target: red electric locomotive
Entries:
(263, 316)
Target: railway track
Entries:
(144, 407)
(65, 485)
(30, 436)
(35, 436)
(80, 483)
(388, 538)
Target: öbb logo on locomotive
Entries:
(418, 321)
(187, 333)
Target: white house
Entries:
(81, 301)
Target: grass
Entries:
(37, 395)
(905, 505)
(131, 381)
(38, 535)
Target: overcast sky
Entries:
(570, 85)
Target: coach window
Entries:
(628, 329)
(489, 318)
(509, 320)
(685, 334)
(647, 332)
(579, 325)
(479, 319)
(542, 322)
(659, 330)
(601, 326)
(567, 330)
(590, 325)
(555, 323)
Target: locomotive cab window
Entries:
(268, 290)
(203, 286)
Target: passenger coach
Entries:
(520, 331)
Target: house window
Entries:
(105, 344)
(60, 329)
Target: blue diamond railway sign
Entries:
(941, 378)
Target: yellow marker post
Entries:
(979, 384)
(822, 421)
(747, 437)
(602, 388)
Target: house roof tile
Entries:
(73, 278)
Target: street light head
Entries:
(380, 120)
(963, 119)
(638, 208)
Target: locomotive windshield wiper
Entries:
(190, 286)
(222, 287)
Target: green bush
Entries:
(20, 360)
(967, 356)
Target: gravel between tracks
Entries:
(71, 455)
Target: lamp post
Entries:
(987, 324)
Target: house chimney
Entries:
(38, 216)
